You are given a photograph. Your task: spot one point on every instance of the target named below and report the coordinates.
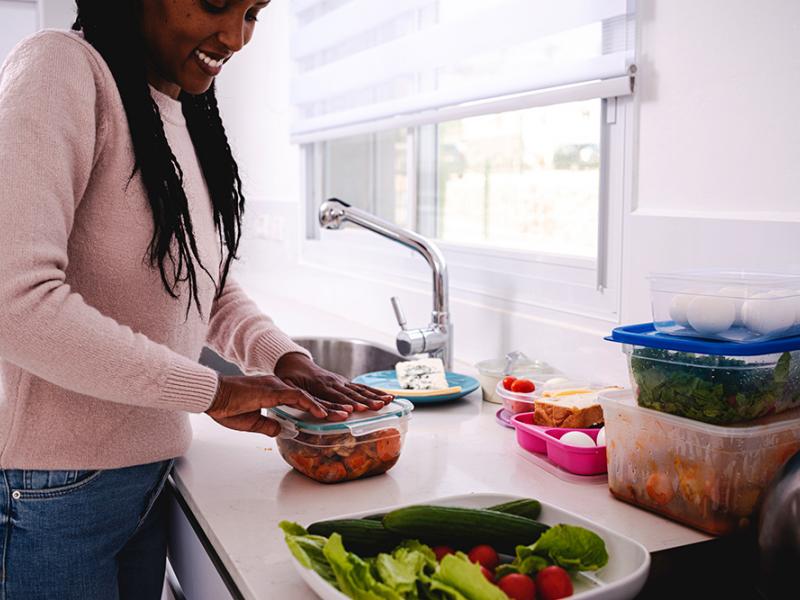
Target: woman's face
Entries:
(184, 36)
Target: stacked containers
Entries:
(716, 378)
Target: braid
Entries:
(111, 27)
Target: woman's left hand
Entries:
(333, 391)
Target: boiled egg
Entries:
(577, 438)
(770, 313)
(678, 307)
(709, 315)
(601, 437)
(737, 293)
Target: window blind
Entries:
(370, 65)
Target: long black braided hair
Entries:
(113, 28)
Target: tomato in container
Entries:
(368, 443)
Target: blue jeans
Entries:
(83, 535)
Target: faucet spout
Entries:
(334, 213)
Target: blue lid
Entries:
(645, 334)
(294, 421)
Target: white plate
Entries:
(622, 578)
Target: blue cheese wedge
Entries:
(424, 374)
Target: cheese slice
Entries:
(423, 374)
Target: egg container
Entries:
(706, 476)
(735, 306)
(547, 440)
(711, 381)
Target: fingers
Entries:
(371, 393)
(253, 422)
(296, 398)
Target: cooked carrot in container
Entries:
(368, 443)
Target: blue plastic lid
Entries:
(645, 334)
(294, 421)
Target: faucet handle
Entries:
(398, 312)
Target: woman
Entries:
(121, 208)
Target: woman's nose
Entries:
(233, 34)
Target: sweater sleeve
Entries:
(51, 131)
(242, 334)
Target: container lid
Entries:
(759, 428)
(645, 334)
(515, 363)
(294, 421)
(727, 277)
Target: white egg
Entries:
(601, 437)
(577, 438)
(737, 293)
(769, 313)
(678, 308)
(555, 382)
(709, 315)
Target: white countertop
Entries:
(239, 488)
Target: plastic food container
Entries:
(734, 306)
(547, 440)
(369, 443)
(492, 371)
(706, 476)
(713, 382)
(516, 403)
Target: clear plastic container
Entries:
(368, 443)
(714, 382)
(705, 476)
(516, 403)
(492, 371)
(736, 306)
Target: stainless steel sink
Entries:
(348, 357)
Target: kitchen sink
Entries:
(348, 357)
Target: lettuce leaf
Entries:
(459, 579)
(354, 576)
(401, 570)
(570, 547)
(307, 549)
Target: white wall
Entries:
(716, 181)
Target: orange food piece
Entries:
(358, 464)
(388, 447)
(331, 472)
(659, 488)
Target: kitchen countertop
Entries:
(238, 488)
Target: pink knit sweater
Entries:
(98, 364)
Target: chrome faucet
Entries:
(437, 338)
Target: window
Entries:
(496, 128)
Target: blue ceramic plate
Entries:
(388, 380)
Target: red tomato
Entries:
(518, 586)
(523, 386)
(487, 573)
(508, 381)
(553, 583)
(442, 551)
(485, 556)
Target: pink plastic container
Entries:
(546, 440)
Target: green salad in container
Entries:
(715, 389)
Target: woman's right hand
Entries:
(239, 400)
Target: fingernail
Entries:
(347, 408)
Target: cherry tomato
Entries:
(487, 573)
(485, 556)
(518, 586)
(508, 381)
(523, 386)
(553, 583)
(442, 551)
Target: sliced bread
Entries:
(580, 410)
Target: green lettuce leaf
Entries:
(401, 569)
(307, 549)
(354, 576)
(459, 579)
(572, 548)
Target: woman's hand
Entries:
(332, 391)
(239, 400)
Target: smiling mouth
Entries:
(210, 65)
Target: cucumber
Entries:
(364, 537)
(464, 527)
(523, 508)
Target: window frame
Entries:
(538, 284)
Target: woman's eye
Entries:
(213, 7)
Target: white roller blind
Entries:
(367, 65)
